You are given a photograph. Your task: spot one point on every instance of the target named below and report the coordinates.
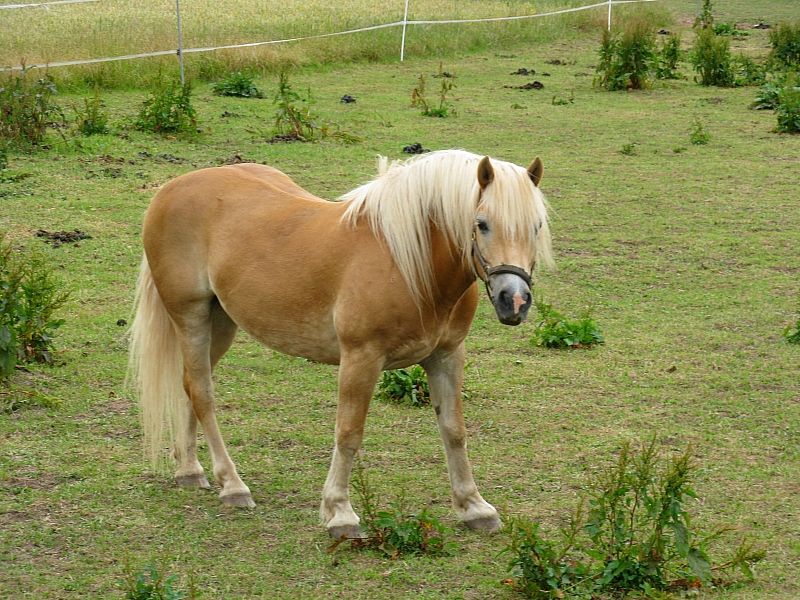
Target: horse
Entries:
(384, 278)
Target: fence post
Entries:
(609, 15)
(403, 42)
(180, 39)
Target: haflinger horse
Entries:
(383, 279)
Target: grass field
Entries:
(686, 256)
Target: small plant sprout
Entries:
(168, 110)
(92, 119)
(428, 109)
(628, 149)
(698, 136)
(152, 582)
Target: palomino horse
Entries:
(382, 280)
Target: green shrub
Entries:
(26, 107)
(729, 29)
(168, 109)
(788, 109)
(711, 57)
(555, 331)
(30, 294)
(792, 332)
(237, 84)
(92, 119)
(668, 57)
(628, 62)
(785, 40)
(749, 72)
(16, 399)
(635, 537)
(397, 531)
(767, 97)
(404, 386)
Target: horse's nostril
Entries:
(503, 298)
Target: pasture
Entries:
(686, 256)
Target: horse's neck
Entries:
(452, 275)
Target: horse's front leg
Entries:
(358, 373)
(445, 371)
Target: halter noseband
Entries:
(489, 271)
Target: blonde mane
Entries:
(441, 188)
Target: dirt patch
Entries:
(230, 115)
(285, 137)
(62, 237)
(559, 62)
(524, 71)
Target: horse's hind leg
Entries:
(445, 372)
(204, 336)
(190, 472)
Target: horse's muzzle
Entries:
(511, 297)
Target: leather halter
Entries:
(488, 271)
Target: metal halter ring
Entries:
(489, 271)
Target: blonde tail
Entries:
(155, 370)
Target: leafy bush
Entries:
(237, 84)
(404, 385)
(636, 536)
(25, 108)
(92, 119)
(788, 109)
(698, 136)
(628, 62)
(668, 57)
(555, 331)
(767, 97)
(418, 99)
(792, 332)
(729, 29)
(785, 40)
(711, 58)
(705, 20)
(396, 531)
(168, 109)
(29, 296)
(14, 400)
(152, 583)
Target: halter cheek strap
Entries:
(488, 271)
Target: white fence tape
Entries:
(43, 4)
(403, 23)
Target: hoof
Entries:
(193, 481)
(487, 524)
(238, 500)
(338, 532)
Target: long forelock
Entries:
(442, 188)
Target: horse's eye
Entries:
(483, 226)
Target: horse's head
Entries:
(509, 236)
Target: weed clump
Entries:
(152, 583)
(792, 332)
(92, 119)
(698, 136)
(237, 84)
(169, 109)
(397, 531)
(635, 536)
(555, 331)
(629, 61)
(428, 108)
(30, 294)
(26, 107)
(785, 41)
(404, 386)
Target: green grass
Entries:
(688, 260)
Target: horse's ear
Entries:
(536, 170)
(485, 172)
